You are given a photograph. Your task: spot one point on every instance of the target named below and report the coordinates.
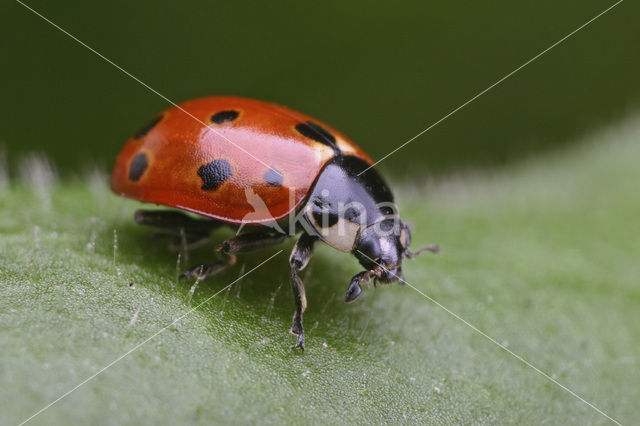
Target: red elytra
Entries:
(258, 149)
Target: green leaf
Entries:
(541, 256)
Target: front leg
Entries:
(298, 260)
(354, 290)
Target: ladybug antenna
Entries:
(433, 249)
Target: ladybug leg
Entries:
(203, 271)
(298, 260)
(251, 241)
(354, 290)
(185, 228)
(241, 244)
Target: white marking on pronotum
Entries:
(342, 235)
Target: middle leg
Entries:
(243, 243)
(298, 260)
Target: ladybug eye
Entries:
(386, 211)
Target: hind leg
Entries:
(184, 229)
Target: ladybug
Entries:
(272, 173)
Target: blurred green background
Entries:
(381, 72)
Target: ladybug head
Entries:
(381, 248)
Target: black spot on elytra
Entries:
(316, 132)
(147, 127)
(273, 177)
(224, 116)
(213, 174)
(319, 134)
(137, 167)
